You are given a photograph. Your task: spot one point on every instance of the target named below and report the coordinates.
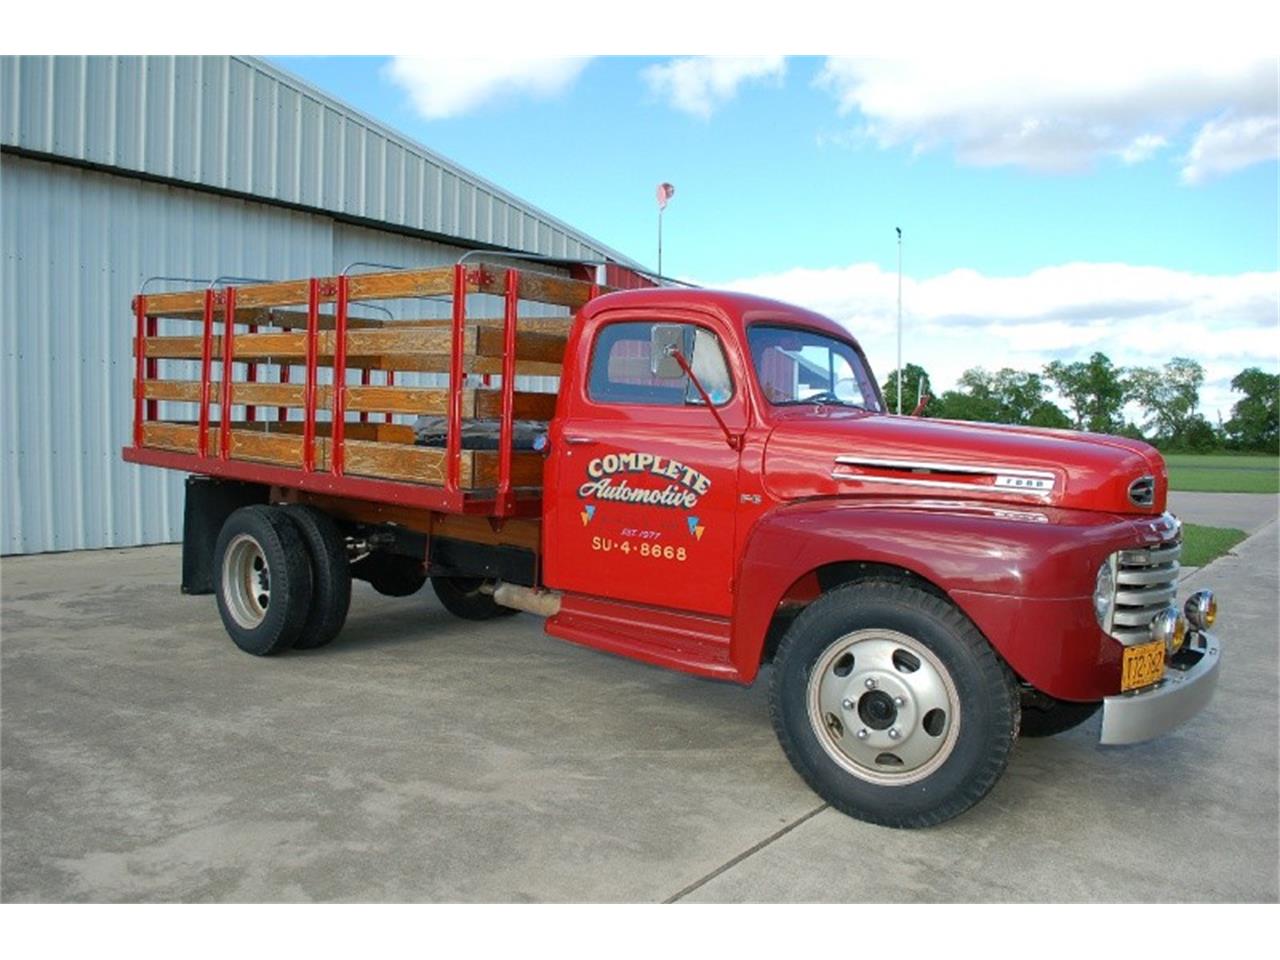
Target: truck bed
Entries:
(293, 424)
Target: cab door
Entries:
(647, 483)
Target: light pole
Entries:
(899, 229)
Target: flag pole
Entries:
(660, 209)
(899, 229)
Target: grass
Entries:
(1202, 544)
(1224, 473)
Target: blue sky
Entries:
(1047, 211)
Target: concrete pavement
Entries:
(1249, 512)
(420, 757)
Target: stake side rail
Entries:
(310, 454)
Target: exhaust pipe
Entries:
(542, 603)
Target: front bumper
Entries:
(1184, 691)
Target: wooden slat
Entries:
(523, 532)
(538, 287)
(530, 345)
(371, 399)
(375, 458)
(432, 282)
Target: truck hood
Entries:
(831, 452)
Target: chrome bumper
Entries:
(1144, 714)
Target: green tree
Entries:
(1169, 396)
(1255, 420)
(914, 377)
(1006, 396)
(1095, 390)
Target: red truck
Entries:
(716, 487)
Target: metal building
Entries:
(116, 169)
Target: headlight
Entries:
(1202, 609)
(1170, 628)
(1104, 593)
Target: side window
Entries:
(620, 367)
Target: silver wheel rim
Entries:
(883, 707)
(246, 581)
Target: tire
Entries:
(463, 597)
(330, 576)
(891, 704)
(390, 574)
(1045, 716)
(263, 579)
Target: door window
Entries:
(621, 367)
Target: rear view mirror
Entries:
(665, 341)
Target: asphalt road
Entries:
(144, 758)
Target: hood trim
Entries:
(935, 466)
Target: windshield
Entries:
(796, 366)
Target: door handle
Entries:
(579, 441)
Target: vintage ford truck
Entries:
(715, 487)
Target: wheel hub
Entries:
(883, 706)
(246, 581)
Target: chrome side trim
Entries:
(941, 484)
(852, 460)
(1134, 717)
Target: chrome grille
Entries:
(1142, 492)
(1146, 583)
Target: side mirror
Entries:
(665, 341)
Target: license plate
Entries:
(1143, 665)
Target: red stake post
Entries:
(506, 429)
(140, 364)
(206, 373)
(453, 441)
(228, 371)
(337, 458)
(309, 390)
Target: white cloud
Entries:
(1226, 144)
(700, 85)
(442, 87)
(1138, 316)
(1061, 114)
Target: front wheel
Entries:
(892, 705)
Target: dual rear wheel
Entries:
(284, 580)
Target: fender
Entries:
(1024, 576)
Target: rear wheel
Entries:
(390, 574)
(466, 597)
(892, 705)
(330, 576)
(264, 579)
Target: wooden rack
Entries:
(282, 323)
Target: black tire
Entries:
(891, 625)
(263, 583)
(1046, 716)
(330, 576)
(390, 574)
(463, 597)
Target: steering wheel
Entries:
(824, 396)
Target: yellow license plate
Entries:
(1143, 665)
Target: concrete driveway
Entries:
(423, 758)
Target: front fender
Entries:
(1023, 575)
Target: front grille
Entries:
(1146, 583)
(1142, 492)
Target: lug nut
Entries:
(894, 734)
(847, 704)
(871, 683)
(898, 701)
(862, 734)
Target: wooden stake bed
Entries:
(334, 445)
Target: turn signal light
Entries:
(1201, 609)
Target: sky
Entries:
(1050, 208)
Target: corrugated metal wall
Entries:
(239, 124)
(77, 245)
